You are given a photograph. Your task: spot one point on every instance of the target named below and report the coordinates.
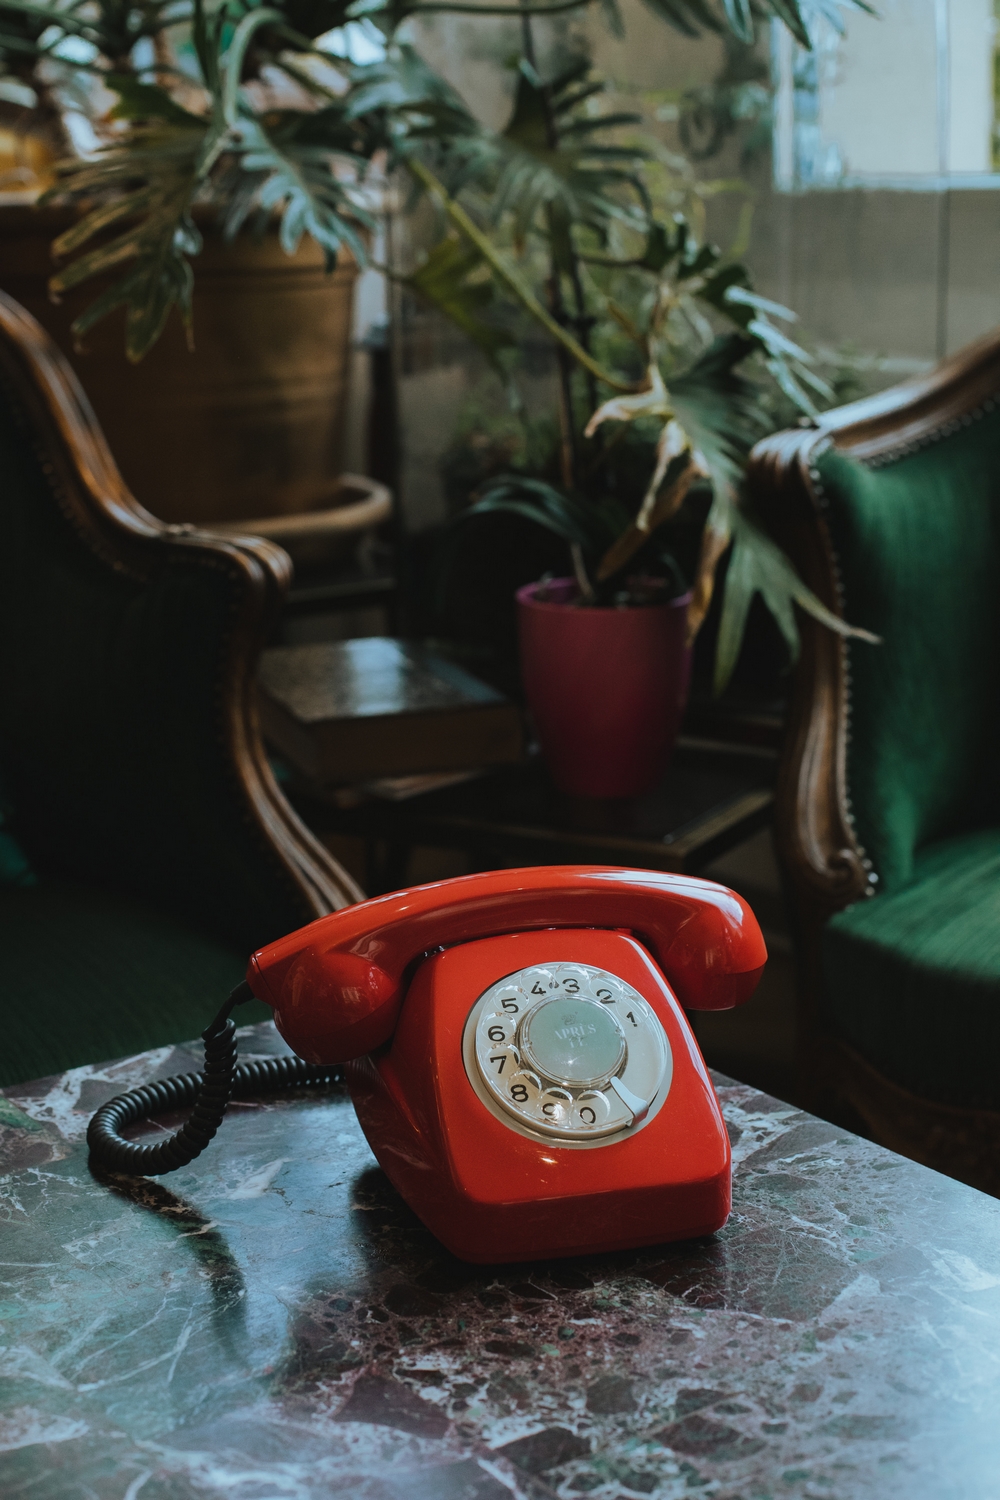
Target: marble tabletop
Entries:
(272, 1324)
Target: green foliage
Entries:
(554, 157)
(591, 527)
(405, 101)
(147, 223)
(143, 101)
(146, 188)
(294, 175)
(757, 566)
(558, 168)
(455, 279)
(718, 407)
(562, 217)
(36, 28)
(706, 357)
(737, 100)
(693, 17)
(19, 40)
(491, 439)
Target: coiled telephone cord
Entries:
(209, 1091)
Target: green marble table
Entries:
(272, 1324)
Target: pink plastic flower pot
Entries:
(606, 687)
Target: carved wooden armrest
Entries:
(826, 867)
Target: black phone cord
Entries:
(209, 1092)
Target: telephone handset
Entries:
(517, 1053)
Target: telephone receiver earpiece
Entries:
(336, 986)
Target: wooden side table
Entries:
(712, 797)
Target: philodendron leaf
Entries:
(758, 566)
(738, 592)
(790, 11)
(719, 409)
(740, 19)
(574, 520)
(455, 279)
(100, 219)
(166, 281)
(106, 258)
(232, 64)
(612, 17)
(661, 247)
(730, 292)
(742, 294)
(555, 157)
(147, 101)
(402, 81)
(691, 17)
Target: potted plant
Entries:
(560, 219)
(565, 220)
(170, 135)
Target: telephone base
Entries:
(494, 1191)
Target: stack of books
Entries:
(343, 712)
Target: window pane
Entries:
(902, 99)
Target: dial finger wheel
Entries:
(567, 1051)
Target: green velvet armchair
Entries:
(888, 813)
(146, 849)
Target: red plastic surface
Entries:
(491, 1194)
(336, 986)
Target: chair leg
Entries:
(960, 1142)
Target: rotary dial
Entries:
(568, 1051)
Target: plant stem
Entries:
(632, 538)
(572, 269)
(567, 433)
(527, 36)
(583, 583)
(581, 312)
(514, 282)
(566, 428)
(567, 436)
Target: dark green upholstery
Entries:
(155, 879)
(89, 975)
(913, 978)
(918, 546)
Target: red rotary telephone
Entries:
(517, 1052)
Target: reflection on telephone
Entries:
(515, 1048)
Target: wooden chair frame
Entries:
(824, 866)
(93, 497)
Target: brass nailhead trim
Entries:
(823, 500)
(945, 429)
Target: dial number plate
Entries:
(567, 1051)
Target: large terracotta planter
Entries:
(248, 425)
(606, 687)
